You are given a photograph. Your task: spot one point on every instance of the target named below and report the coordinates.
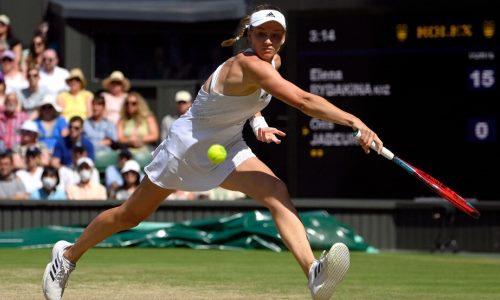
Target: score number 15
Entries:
(482, 79)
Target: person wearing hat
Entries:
(31, 175)
(51, 125)
(69, 174)
(131, 173)
(183, 101)
(29, 139)
(10, 120)
(116, 86)
(14, 80)
(53, 77)
(9, 39)
(32, 96)
(77, 101)
(86, 189)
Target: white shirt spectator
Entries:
(54, 82)
(69, 176)
(15, 83)
(31, 181)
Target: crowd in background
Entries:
(59, 140)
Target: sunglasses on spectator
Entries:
(33, 75)
(49, 59)
(133, 103)
(75, 127)
(46, 106)
(6, 59)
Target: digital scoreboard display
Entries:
(426, 83)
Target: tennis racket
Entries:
(430, 181)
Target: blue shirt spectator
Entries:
(49, 189)
(62, 150)
(42, 194)
(50, 138)
(51, 126)
(100, 131)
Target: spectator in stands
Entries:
(32, 96)
(77, 101)
(182, 105)
(34, 55)
(29, 139)
(100, 131)
(116, 86)
(51, 125)
(183, 195)
(14, 80)
(3, 88)
(3, 47)
(32, 175)
(11, 187)
(69, 174)
(86, 189)
(222, 194)
(137, 127)
(50, 186)
(131, 173)
(11, 41)
(62, 149)
(113, 177)
(53, 77)
(10, 120)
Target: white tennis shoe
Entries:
(328, 271)
(57, 272)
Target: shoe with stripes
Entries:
(327, 272)
(57, 272)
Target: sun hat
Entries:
(77, 73)
(183, 96)
(116, 76)
(131, 165)
(50, 99)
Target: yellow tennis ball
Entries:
(216, 154)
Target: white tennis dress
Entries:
(180, 162)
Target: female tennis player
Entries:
(236, 92)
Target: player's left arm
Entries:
(312, 105)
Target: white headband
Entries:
(262, 16)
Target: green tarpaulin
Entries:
(252, 230)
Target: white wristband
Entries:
(257, 123)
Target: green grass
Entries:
(210, 274)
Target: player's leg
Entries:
(142, 203)
(256, 180)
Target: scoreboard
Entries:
(427, 84)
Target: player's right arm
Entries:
(265, 76)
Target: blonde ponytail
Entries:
(242, 27)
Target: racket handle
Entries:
(385, 152)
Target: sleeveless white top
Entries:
(181, 162)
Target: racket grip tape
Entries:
(385, 152)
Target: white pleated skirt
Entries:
(193, 171)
